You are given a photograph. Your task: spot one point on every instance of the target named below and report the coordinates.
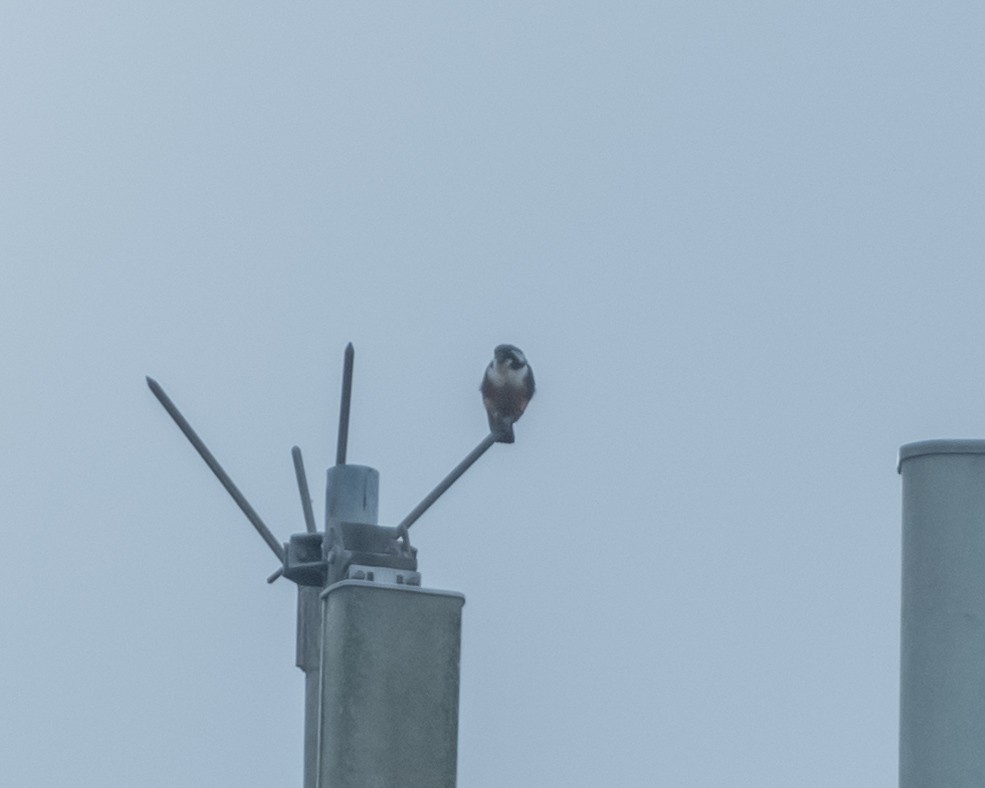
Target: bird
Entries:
(507, 387)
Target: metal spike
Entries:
(343, 440)
(447, 482)
(309, 515)
(213, 463)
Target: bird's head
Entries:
(509, 355)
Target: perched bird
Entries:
(506, 390)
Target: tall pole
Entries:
(382, 680)
(352, 495)
(380, 654)
(942, 649)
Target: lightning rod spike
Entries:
(448, 481)
(343, 440)
(216, 468)
(309, 515)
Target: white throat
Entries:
(502, 374)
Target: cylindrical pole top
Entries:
(939, 446)
(353, 495)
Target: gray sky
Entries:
(741, 244)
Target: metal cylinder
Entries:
(942, 650)
(389, 686)
(352, 495)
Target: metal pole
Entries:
(387, 711)
(381, 659)
(344, 405)
(309, 515)
(216, 468)
(352, 495)
(447, 482)
(942, 648)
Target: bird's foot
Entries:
(504, 434)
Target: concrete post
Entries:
(389, 686)
(942, 656)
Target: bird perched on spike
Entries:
(506, 390)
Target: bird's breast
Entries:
(504, 375)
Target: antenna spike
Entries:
(216, 468)
(309, 515)
(343, 440)
(447, 482)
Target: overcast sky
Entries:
(740, 243)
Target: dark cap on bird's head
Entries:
(509, 353)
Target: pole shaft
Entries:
(352, 495)
(942, 648)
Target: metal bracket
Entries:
(309, 561)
